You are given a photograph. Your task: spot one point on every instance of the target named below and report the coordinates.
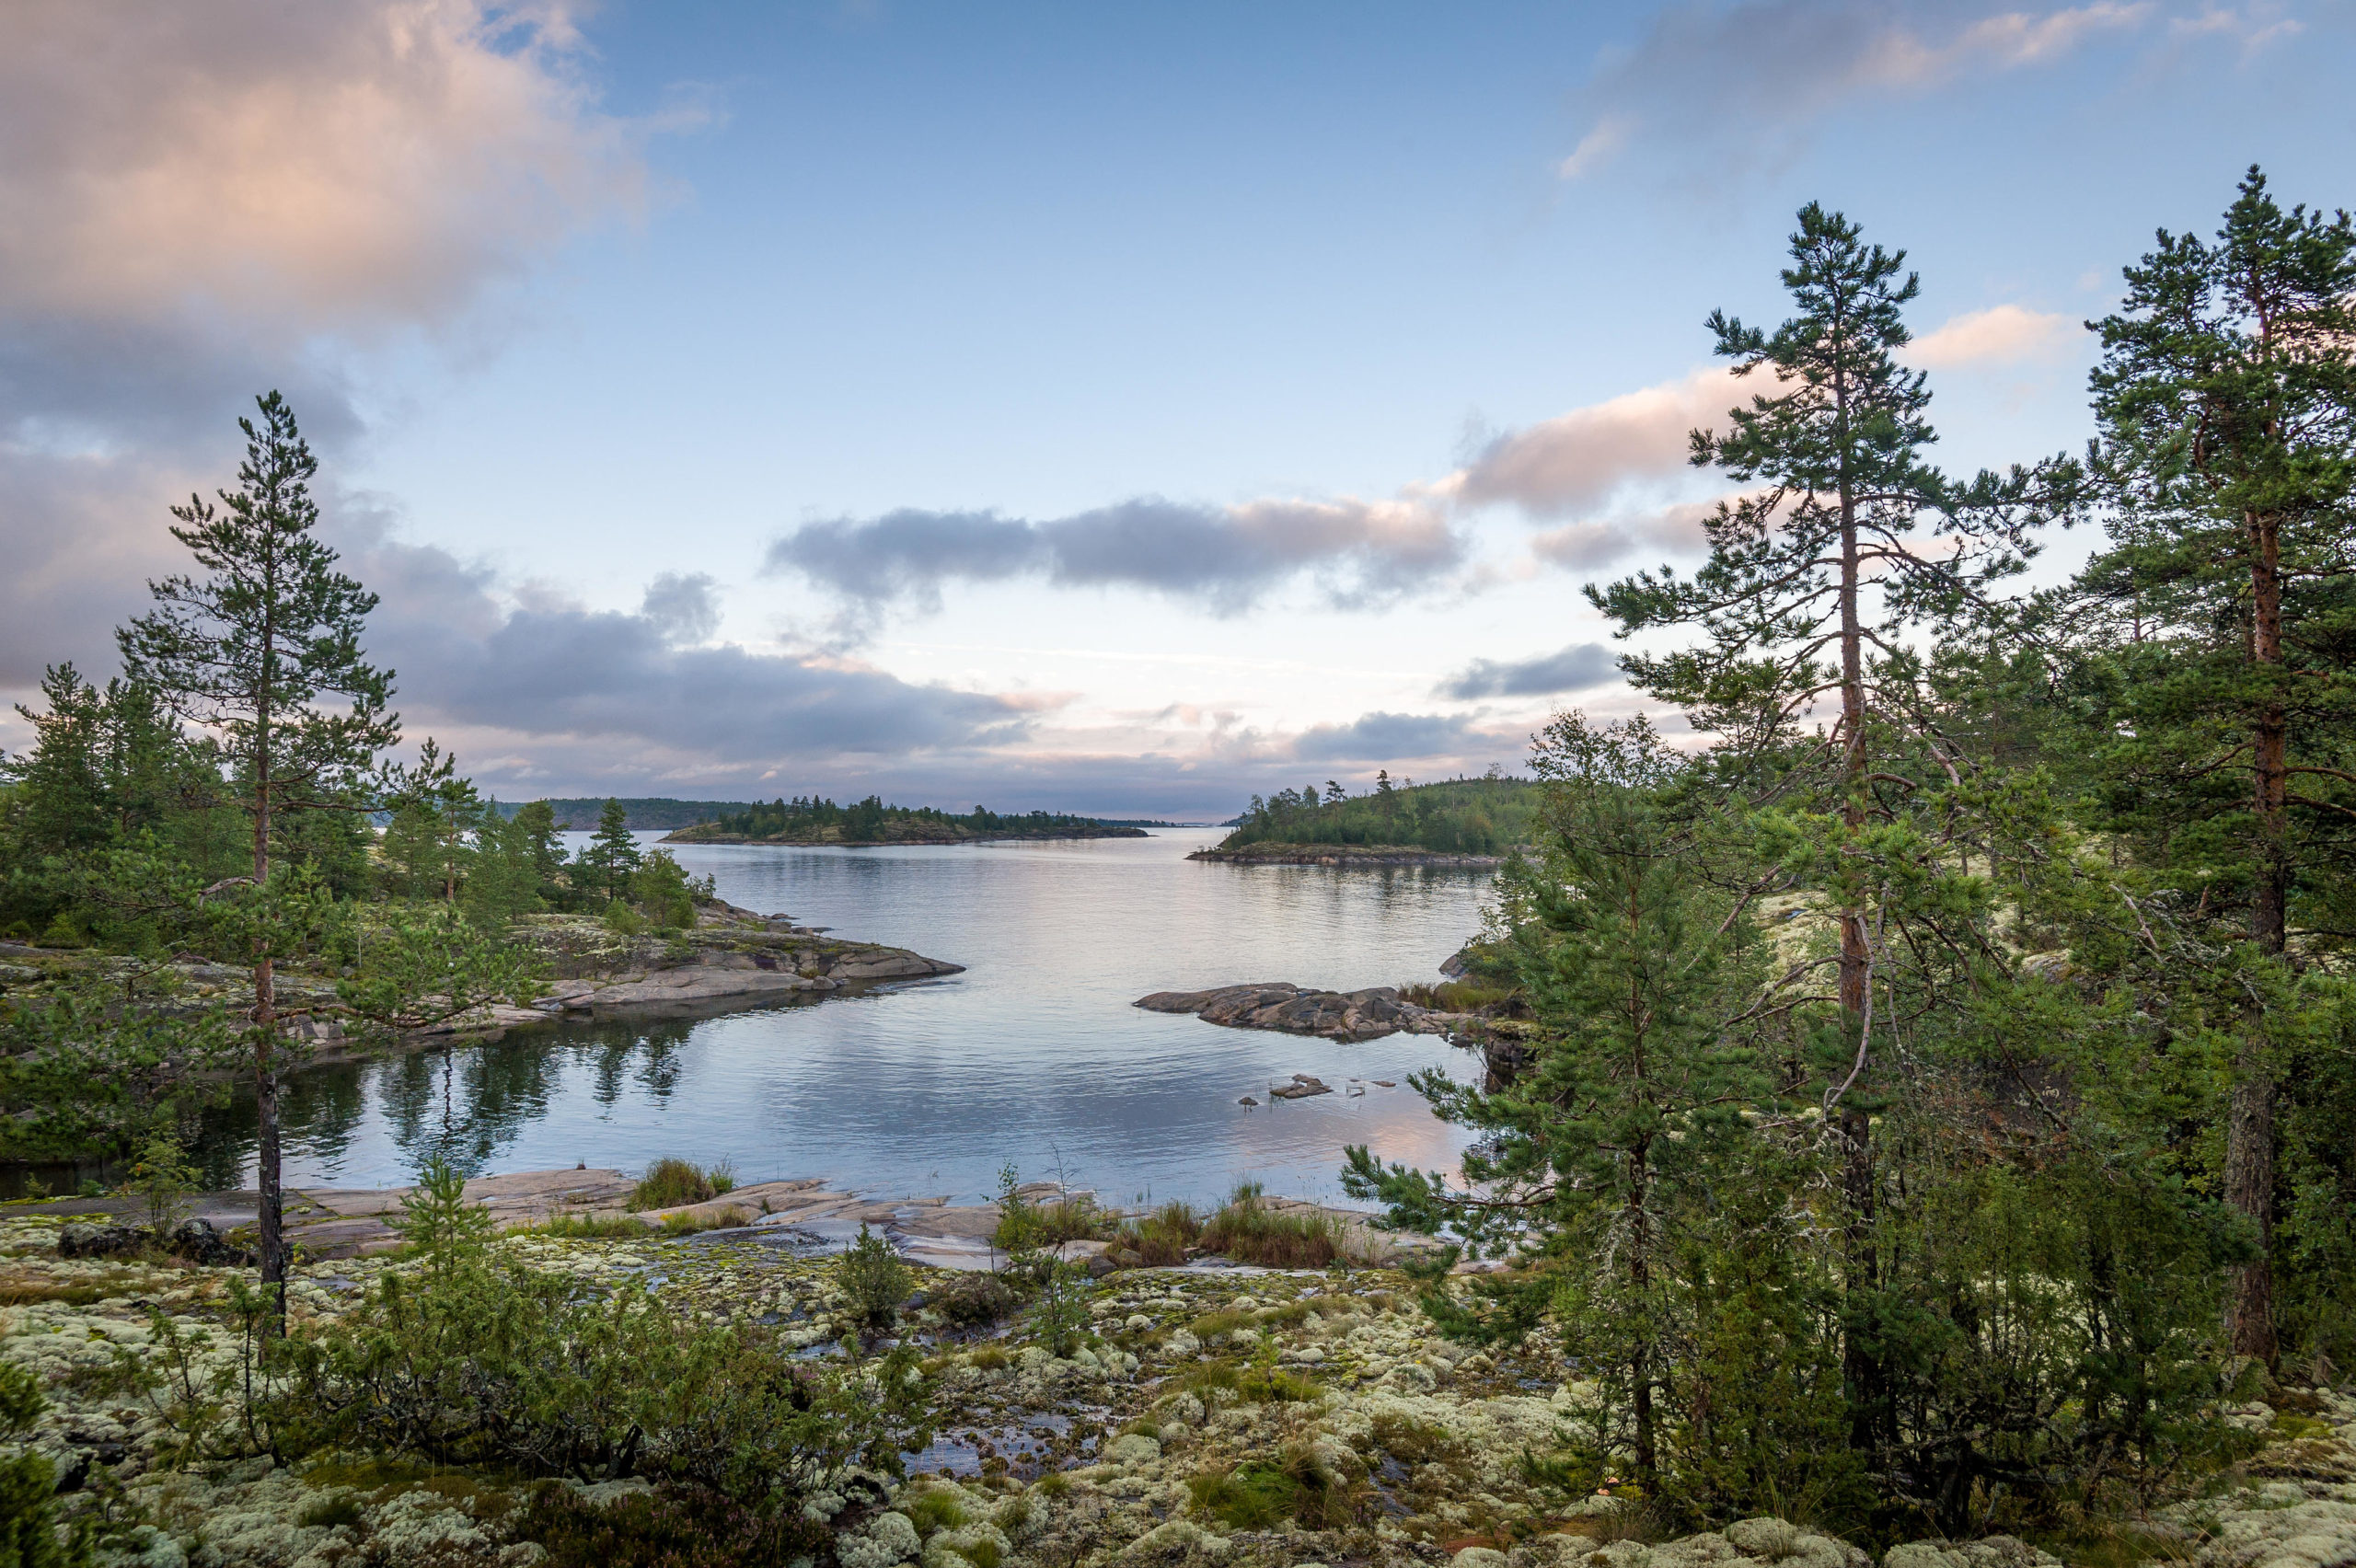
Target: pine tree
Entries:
(1635, 1092)
(2227, 401)
(263, 654)
(1814, 583)
(612, 855)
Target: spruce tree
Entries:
(1818, 575)
(2226, 397)
(262, 653)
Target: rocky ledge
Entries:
(1341, 855)
(1293, 1009)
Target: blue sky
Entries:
(1109, 407)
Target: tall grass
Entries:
(668, 1184)
(586, 1226)
(1250, 1232)
(1163, 1237)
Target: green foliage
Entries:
(1259, 1494)
(664, 894)
(1060, 1311)
(675, 1526)
(32, 1536)
(670, 1183)
(612, 856)
(163, 1179)
(484, 1361)
(424, 965)
(100, 1063)
(1163, 1237)
(874, 1279)
(1465, 816)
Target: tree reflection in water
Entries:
(463, 1104)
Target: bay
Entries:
(1033, 1057)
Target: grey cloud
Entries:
(1384, 737)
(564, 672)
(1748, 81)
(1222, 556)
(1575, 668)
(1590, 546)
(684, 609)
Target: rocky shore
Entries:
(1279, 1005)
(1405, 1448)
(1360, 855)
(733, 958)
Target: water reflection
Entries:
(1033, 1056)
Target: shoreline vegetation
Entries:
(1456, 822)
(868, 823)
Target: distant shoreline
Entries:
(1271, 854)
(694, 836)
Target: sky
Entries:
(1109, 409)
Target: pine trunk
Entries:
(2249, 1131)
(1860, 1369)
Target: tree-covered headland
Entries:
(1944, 1093)
(1458, 816)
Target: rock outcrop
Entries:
(1292, 1010)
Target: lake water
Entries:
(1033, 1056)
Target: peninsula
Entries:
(864, 823)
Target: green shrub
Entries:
(490, 1362)
(668, 1184)
(674, 1528)
(874, 1279)
(28, 1523)
(975, 1297)
(1059, 1315)
(164, 1179)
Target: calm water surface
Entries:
(1032, 1057)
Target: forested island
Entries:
(641, 814)
(809, 818)
(1461, 821)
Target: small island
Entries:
(1460, 821)
(810, 819)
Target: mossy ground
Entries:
(1218, 1416)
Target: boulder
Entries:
(1288, 1009)
(99, 1240)
(195, 1241)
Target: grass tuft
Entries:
(587, 1227)
(668, 1184)
(1250, 1232)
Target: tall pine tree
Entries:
(262, 653)
(2226, 397)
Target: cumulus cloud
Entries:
(198, 203)
(1577, 668)
(293, 164)
(1573, 461)
(1591, 546)
(1749, 79)
(1224, 557)
(2004, 334)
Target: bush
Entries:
(674, 1528)
(1059, 1316)
(975, 1297)
(668, 1184)
(29, 1526)
(873, 1277)
(162, 1177)
(489, 1362)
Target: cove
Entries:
(1033, 1057)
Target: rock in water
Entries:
(1279, 1005)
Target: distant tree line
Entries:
(868, 820)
